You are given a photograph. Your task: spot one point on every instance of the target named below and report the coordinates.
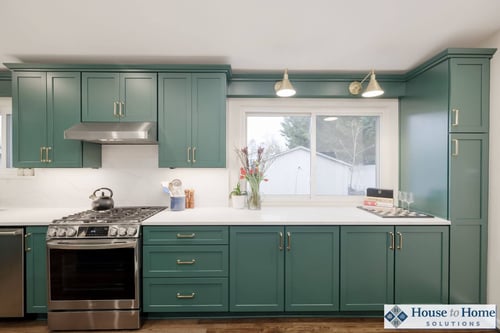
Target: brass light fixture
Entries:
(372, 89)
(284, 88)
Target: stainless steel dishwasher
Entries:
(11, 272)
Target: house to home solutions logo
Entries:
(440, 316)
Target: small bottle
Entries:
(186, 194)
(191, 198)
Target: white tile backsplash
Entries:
(132, 173)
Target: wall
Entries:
(130, 171)
(493, 277)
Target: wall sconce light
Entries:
(284, 88)
(372, 89)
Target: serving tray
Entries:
(394, 212)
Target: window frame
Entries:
(388, 147)
(5, 109)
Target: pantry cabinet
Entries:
(36, 269)
(192, 120)
(444, 124)
(112, 96)
(44, 105)
(393, 265)
(277, 268)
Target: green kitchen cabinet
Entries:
(312, 268)
(444, 124)
(468, 200)
(469, 95)
(260, 281)
(385, 265)
(185, 269)
(36, 270)
(111, 97)
(192, 120)
(44, 105)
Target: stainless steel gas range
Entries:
(93, 264)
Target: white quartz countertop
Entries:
(33, 216)
(282, 216)
(228, 216)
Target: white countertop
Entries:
(229, 216)
(282, 216)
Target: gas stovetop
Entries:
(122, 222)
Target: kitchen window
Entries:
(321, 150)
(5, 133)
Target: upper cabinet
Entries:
(192, 120)
(469, 95)
(44, 105)
(119, 96)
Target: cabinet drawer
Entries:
(185, 235)
(185, 261)
(185, 295)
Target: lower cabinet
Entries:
(36, 270)
(293, 269)
(386, 265)
(185, 269)
(276, 268)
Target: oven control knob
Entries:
(71, 232)
(113, 231)
(131, 231)
(52, 232)
(122, 231)
(61, 232)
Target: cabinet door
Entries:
(256, 269)
(63, 111)
(367, 267)
(138, 93)
(209, 120)
(36, 270)
(174, 120)
(29, 118)
(100, 92)
(421, 265)
(312, 269)
(469, 94)
(468, 214)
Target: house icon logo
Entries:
(395, 316)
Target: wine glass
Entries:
(402, 198)
(409, 199)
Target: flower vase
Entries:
(254, 199)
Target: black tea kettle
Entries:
(103, 202)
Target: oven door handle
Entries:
(82, 245)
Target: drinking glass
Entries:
(402, 198)
(409, 199)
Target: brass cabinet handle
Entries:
(281, 241)
(455, 113)
(41, 154)
(393, 241)
(400, 244)
(192, 235)
(194, 154)
(191, 262)
(189, 154)
(180, 296)
(114, 109)
(47, 159)
(455, 147)
(120, 113)
(289, 241)
(26, 248)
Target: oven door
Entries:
(93, 274)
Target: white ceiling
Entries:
(252, 35)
